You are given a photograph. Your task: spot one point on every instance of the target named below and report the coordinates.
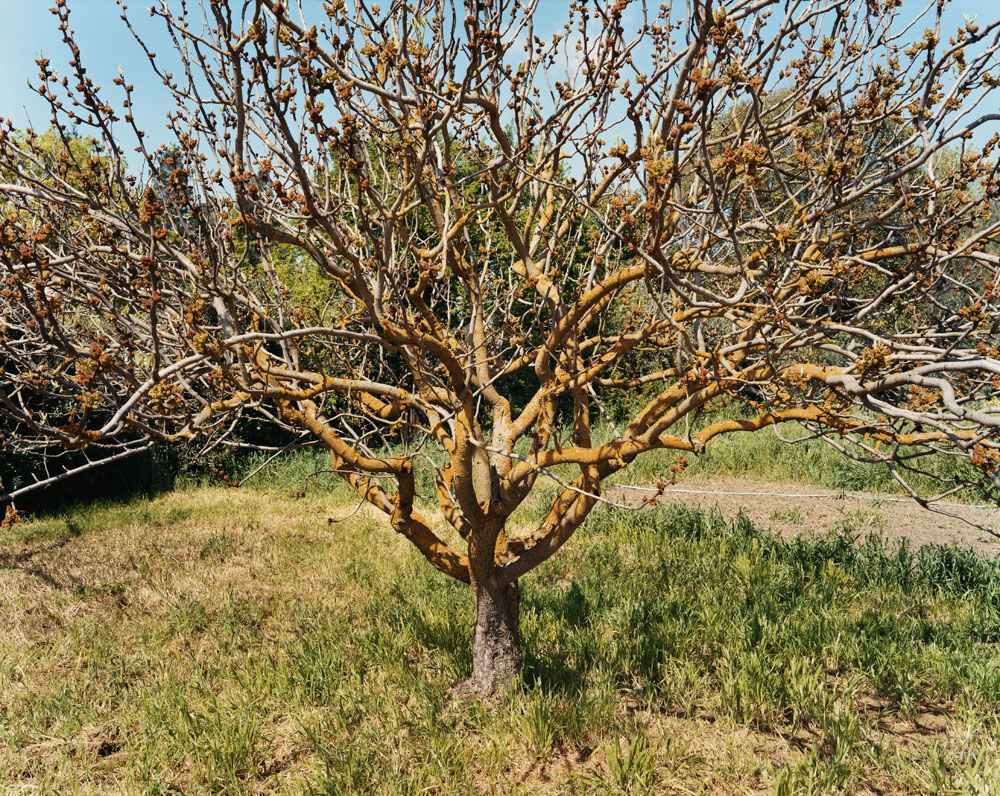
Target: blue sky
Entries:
(28, 28)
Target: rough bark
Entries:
(496, 645)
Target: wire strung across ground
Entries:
(839, 495)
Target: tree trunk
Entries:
(496, 645)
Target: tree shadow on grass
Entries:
(22, 562)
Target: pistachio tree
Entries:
(516, 228)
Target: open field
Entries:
(231, 641)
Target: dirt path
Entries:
(890, 515)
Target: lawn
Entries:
(232, 641)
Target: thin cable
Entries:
(839, 495)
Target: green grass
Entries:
(218, 641)
(761, 455)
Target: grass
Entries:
(793, 515)
(217, 641)
(765, 455)
(761, 455)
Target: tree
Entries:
(504, 233)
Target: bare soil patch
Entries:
(793, 508)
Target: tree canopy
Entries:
(426, 236)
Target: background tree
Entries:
(504, 231)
